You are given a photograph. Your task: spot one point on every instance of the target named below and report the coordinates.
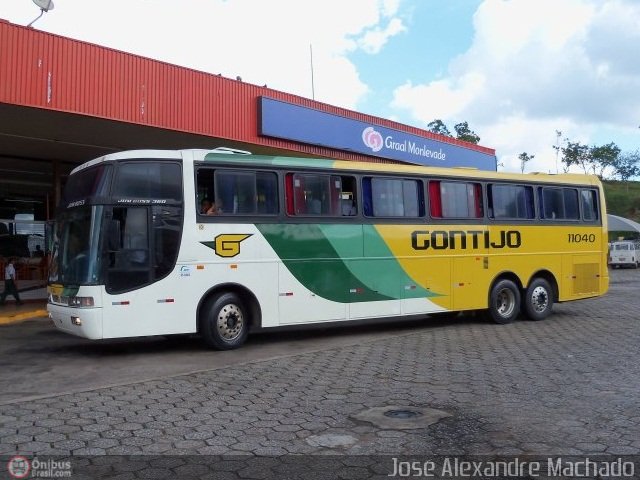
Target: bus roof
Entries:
(241, 158)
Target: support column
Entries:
(57, 187)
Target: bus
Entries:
(295, 241)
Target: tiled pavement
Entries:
(569, 385)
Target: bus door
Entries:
(469, 267)
(140, 248)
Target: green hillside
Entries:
(623, 198)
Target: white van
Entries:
(624, 253)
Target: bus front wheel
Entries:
(504, 302)
(538, 299)
(225, 324)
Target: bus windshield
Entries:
(75, 259)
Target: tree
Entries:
(524, 158)
(463, 132)
(628, 165)
(604, 157)
(438, 126)
(594, 159)
(576, 153)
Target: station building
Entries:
(63, 102)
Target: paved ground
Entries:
(568, 386)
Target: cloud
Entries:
(543, 65)
(373, 40)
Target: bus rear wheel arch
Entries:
(504, 301)
(538, 299)
(225, 318)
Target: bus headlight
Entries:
(81, 302)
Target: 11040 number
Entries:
(581, 238)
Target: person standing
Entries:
(10, 287)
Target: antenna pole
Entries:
(313, 89)
(34, 20)
(558, 135)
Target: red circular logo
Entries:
(19, 466)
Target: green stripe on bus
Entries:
(266, 161)
(378, 269)
(315, 263)
(329, 260)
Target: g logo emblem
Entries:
(227, 245)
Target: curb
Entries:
(18, 317)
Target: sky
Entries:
(518, 71)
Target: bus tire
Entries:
(225, 323)
(504, 302)
(538, 299)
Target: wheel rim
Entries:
(230, 322)
(539, 299)
(505, 302)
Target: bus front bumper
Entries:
(83, 322)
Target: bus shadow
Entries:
(340, 333)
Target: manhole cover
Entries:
(401, 417)
(402, 413)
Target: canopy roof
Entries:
(621, 224)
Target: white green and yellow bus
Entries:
(294, 241)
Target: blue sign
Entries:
(306, 125)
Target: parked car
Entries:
(624, 253)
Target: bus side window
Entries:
(559, 203)
(510, 201)
(315, 194)
(455, 199)
(392, 197)
(231, 192)
(589, 200)
(205, 193)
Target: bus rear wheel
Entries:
(225, 324)
(504, 302)
(538, 299)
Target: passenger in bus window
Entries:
(205, 205)
(216, 208)
(38, 253)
